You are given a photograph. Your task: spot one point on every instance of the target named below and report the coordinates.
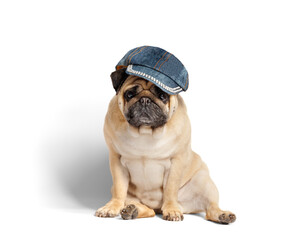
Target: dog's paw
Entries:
(215, 214)
(227, 217)
(111, 209)
(129, 212)
(107, 212)
(172, 214)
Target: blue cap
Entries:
(157, 66)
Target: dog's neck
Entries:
(157, 133)
(145, 130)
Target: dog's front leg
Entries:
(119, 189)
(170, 209)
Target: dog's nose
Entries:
(145, 101)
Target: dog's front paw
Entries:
(172, 212)
(172, 215)
(111, 209)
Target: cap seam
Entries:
(173, 90)
(165, 61)
(140, 50)
(157, 71)
(160, 59)
(132, 53)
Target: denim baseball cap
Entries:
(157, 66)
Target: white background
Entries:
(55, 62)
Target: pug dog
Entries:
(153, 167)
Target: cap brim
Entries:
(161, 80)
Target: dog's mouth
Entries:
(145, 118)
(152, 115)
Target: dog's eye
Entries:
(163, 97)
(128, 95)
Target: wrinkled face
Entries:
(143, 103)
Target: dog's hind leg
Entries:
(215, 214)
(201, 195)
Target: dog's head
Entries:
(141, 102)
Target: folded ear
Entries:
(118, 77)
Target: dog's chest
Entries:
(145, 146)
(147, 174)
(148, 162)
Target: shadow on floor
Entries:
(77, 173)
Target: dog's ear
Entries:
(118, 77)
